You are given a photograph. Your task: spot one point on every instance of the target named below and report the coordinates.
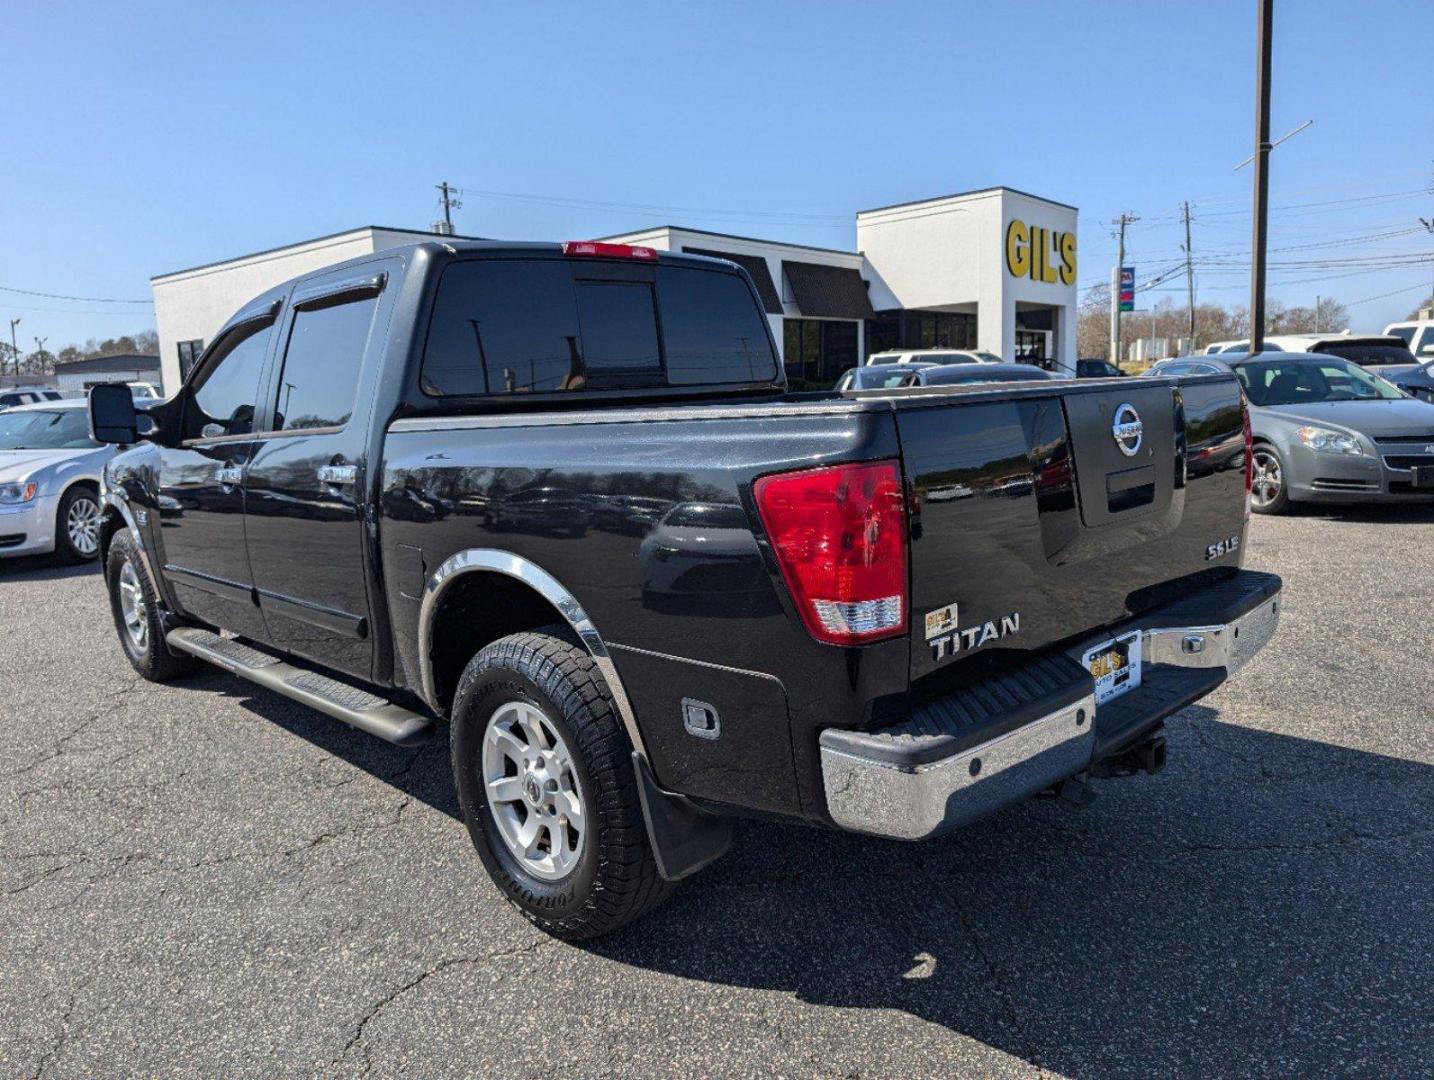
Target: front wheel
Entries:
(1270, 491)
(545, 780)
(136, 609)
(77, 525)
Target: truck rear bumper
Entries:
(987, 746)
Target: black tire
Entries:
(615, 878)
(83, 502)
(1279, 502)
(147, 653)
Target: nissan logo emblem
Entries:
(1127, 429)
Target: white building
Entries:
(76, 376)
(993, 269)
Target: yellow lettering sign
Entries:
(1040, 254)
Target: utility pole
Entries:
(1120, 223)
(1428, 224)
(14, 348)
(1262, 176)
(1318, 298)
(450, 204)
(40, 348)
(1189, 275)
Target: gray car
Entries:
(1326, 430)
(49, 481)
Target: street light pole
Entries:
(14, 348)
(1262, 177)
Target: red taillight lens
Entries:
(600, 250)
(839, 534)
(1249, 454)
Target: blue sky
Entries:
(146, 137)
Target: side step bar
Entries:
(356, 707)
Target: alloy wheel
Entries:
(82, 526)
(132, 607)
(531, 786)
(1269, 480)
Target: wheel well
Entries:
(475, 610)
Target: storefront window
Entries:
(817, 351)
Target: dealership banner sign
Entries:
(1040, 254)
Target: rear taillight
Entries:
(1249, 453)
(839, 534)
(597, 249)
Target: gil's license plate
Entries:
(1115, 666)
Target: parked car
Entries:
(934, 356)
(144, 390)
(879, 376)
(879, 613)
(27, 395)
(1374, 351)
(897, 376)
(1326, 430)
(1417, 381)
(1097, 369)
(1417, 334)
(49, 481)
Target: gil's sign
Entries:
(1040, 254)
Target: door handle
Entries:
(229, 475)
(338, 475)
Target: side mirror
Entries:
(112, 414)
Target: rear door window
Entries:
(319, 380)
(506, 326)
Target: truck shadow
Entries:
(1262, 906)
(45, 568)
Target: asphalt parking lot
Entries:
(205, 879)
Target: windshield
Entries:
(1366, 352)
(60, 429)
(1298, 382)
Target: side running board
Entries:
(365, 711)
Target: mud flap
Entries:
(684, 838)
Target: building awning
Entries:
(829, 292)
(755, 265)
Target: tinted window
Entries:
(619, 326)
(223, 395)
(1405, 332)
(320, 375)
(1284, 382)
(503, 326)
(1365, 353)
(712, 327)
(951, 376)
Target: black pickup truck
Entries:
(559, 498)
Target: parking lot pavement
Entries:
(204, 879)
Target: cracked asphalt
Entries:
(206, 880)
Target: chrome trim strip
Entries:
(534, 576)
(699, 663)
(915, 802)
(618, 416)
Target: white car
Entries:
(934, 356)
(50, 481)
(1418, 334)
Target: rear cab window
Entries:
(550, 325)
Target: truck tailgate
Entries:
(1035, 520)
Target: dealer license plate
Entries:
(1115, 666)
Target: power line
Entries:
(61, 296)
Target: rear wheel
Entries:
(545, 779)
(1269, 493)
(77, 525)
(136, 609)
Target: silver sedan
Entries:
(49, 481)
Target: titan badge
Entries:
(946, 640)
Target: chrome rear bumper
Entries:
(890, 786)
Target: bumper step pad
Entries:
(351, 704)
